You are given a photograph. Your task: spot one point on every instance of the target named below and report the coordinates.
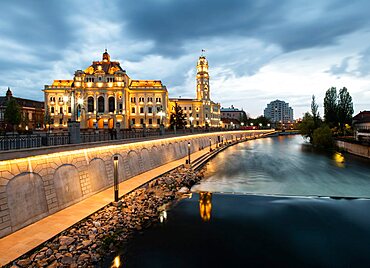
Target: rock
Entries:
(53, 264)
(67, 260)
(86, 243)
(66, 240)
(83, 257)
(24, 262)
(49, 252)
(96, 224)
(184, 190)
(61, 248)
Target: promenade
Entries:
(31, 236)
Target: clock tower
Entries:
(203, 93)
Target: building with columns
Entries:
(201, 111)
(104, 97)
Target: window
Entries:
(184, 108)
(99, 78)
(110, 79)
(197, 115)
(142, 121)
(60, 110)
(101, 104)
(158, 121)
(197, 123)
(52, 110)
(133, 99)
(89, 79)
(52, 121)
(69, 109)
(141, 99)
(120, 107)
(189, 108)
(158, 100)
(133, 110)
(150, 121)
(158, 109)
(150, 110)
(150, 99)
(133, 121)
(141, 110)
(60, 121)
(111, 104)
(90, 104)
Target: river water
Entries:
(271, 202)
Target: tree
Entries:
(177, 117)
(345, 108)
(47, 117)
(307, 126)
(12, 114)
(330, 107)
(323, 137)
(315, 113)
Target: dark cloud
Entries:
(293, 25)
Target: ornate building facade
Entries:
(104, 97)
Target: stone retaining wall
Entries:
(36, 186)
(357, 149)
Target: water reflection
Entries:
(339, 159)
(116, 262)
(163, 216)
(205, 206)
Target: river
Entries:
(272, 202)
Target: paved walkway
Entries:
(31, 236)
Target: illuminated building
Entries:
(201, 111)
(32, 112)
(105, 97)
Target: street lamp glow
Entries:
(242, 123)
(191, 119)
(65, 98)
(80, 101)
(251, 124)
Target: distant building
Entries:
(32, 111)
(233, 113)
(361, 125)
(279, 112)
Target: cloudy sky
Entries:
(258, 51)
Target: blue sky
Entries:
(258, 51)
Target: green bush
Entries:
(322, 137)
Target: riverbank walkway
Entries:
(31, 236)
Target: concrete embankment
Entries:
(353, 148)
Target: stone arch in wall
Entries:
(26, 199)
(97, 174)
(67, 185)
(147, 160)
(155, 156)
(170, 152)
(134, 163)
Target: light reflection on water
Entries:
(286, 166)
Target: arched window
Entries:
(101, 104)
(111, 104)
(90, 104)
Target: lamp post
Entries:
(115, 162)
(161, 126)
(189, 153)
(191, 118)
(210, 145)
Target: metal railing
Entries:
(15, 141)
